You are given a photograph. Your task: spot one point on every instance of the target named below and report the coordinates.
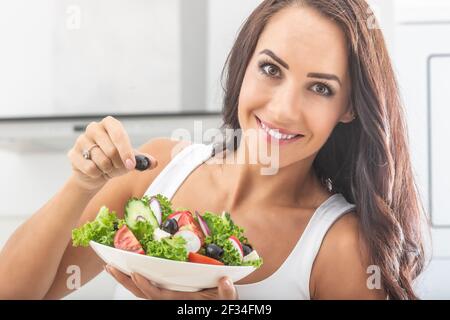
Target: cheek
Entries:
(321, 117)
(253, 93)
(320, 123)
(321, 126)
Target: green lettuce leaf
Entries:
(101, 230)
(255, 263)
(142, 230)
(168, 248)
(106, 223)
(222, 227)
(230, 256)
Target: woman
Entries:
(318, 72)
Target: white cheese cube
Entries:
(251, 256)
(158, 234)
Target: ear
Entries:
(348, 116)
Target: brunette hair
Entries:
(367, 160)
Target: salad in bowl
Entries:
(176, 249)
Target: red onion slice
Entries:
(193, 243)
(203, 224)
(156, 209)
(237, 244)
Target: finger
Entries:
(97, 159)
(150, 291)
(125, 280)
(86, 166)
(227, 291)
(101, 160)
(121, 141)
(102, 139)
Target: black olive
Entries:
(142, 162)
(214, 251)
(247, 249)
(116, 226)
(170, 226)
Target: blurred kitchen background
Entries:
(156, 66)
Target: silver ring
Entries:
(87, 152)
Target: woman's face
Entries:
(297, 80)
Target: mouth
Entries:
(279, 134)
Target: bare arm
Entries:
(34, 260)
(40, 243)
(340, 269)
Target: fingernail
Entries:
(129, 164)
(228, 283)
(107, 268)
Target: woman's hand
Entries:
(143, 288)
(109, 151)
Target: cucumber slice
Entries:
(137, 210)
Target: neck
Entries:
(290, 186)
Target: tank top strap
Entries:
(177, 170)
(311, 240)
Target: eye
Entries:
(269, 69)
(322, 89)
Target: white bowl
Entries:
(170, 274)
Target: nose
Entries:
(284, 106)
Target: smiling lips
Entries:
(284, 136)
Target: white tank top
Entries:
(291, 279)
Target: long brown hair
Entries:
(366, 160)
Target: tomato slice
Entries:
(125, 240)
(199, 258)
(178, 214)
(183, 218)
(186, 219)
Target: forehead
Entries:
(306, 40)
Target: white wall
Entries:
(224, 20)
(81, 56)
(27, 182)
(22, 71)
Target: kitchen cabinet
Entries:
(422, 64)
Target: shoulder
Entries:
(163, 150)
(341, 268)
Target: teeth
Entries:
(276, 134)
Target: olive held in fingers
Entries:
(142, 163)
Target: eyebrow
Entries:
(324, 76)
(317, 75)
(275, 57)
